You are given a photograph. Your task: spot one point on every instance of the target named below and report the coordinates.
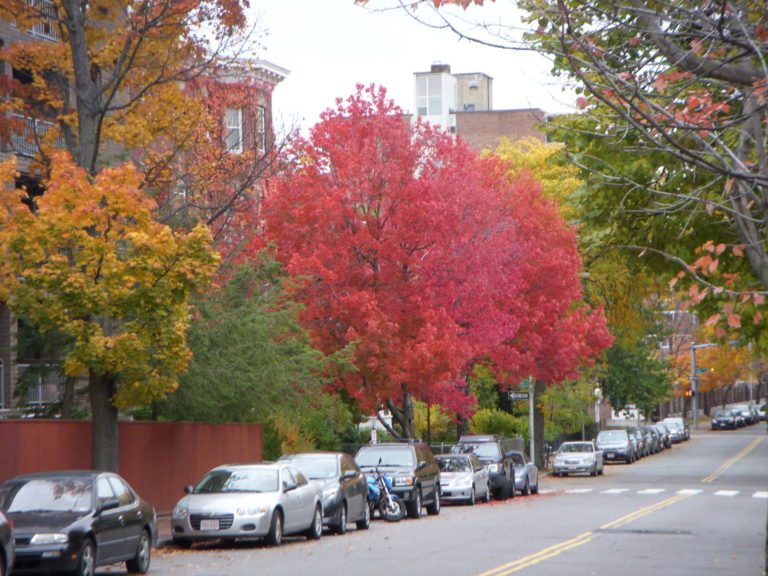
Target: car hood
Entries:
(31, 522)
(227, 501)
(619, 444)
(450, 476)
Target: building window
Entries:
(43, 383)
(429, 95)
(234, 134)
(261, 129)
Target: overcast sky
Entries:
(329, 46)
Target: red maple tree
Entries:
(422, 257)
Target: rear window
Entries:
(370, 456)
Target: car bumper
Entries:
(204, 527)
(616, 453)
(722, 425)
(47, 560)
(455, 493)
(572, 468)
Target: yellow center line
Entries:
(728, 463)
(540, 555)
(556, 549)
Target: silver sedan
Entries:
(249, 501)
(526, 474)
(463, 478)
(578, 457)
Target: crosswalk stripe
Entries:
(690, 491)
(580, 490)
(652, 491)
(760, 495)
(615, 491)
(727, 493)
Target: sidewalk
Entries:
(164, 534)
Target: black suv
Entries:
(413, 469)
(492, 451)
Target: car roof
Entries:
(61, 474)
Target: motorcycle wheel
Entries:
(394, 513)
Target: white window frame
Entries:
(46, 27)
(233, 137)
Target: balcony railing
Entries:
(45, 386)
(26, 143)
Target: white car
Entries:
(578, 457)
(249, 501)
(463, 478)
(526, 474)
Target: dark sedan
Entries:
(342, 483)
(73, 521)
(6, 545)
(722, 419)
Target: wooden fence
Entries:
(157, 458)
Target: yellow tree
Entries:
(91, 262)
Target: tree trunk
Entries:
(538, 425)
(102, 389)
(404, 415)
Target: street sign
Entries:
(702, 370)
(519, 395)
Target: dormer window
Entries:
(234, 130)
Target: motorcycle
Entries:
(390, 506)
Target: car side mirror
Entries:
(109, 504)
(348, 474)
(189, 489)
(288, 486)
(422, 464)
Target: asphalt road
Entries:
(697, 509)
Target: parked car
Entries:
(526, 473)
(616, 445)
(414, 471)
(249, 501)
(664, 433)
(6, 545)
(463, 478)
(761, 412)
(578, 457)
(725, 419)
(641, 446)
(74, 521)
(341, 482)
(746, 413)
(492, 451)
(683, 429)
(652, 439)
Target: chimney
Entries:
(441, 68)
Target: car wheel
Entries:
(414, 506)
(593, 472)
(341, 527)
(434, 508)
(526, 488)
(315, 529)
(510, 489)
(87, 562)
(535, 487)
(275, 534)
(471, 500)
(365, 522)
(139, 564)
(487, 495)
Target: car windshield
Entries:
(454, 464)
(485, 450)
(612, 436)
(238, 480)
(48, 495)
(722, 413)
(579, 447)
(385, 456)
(317, 467)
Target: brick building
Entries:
(463, 103)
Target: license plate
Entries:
(209, 524)
(610, 455)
